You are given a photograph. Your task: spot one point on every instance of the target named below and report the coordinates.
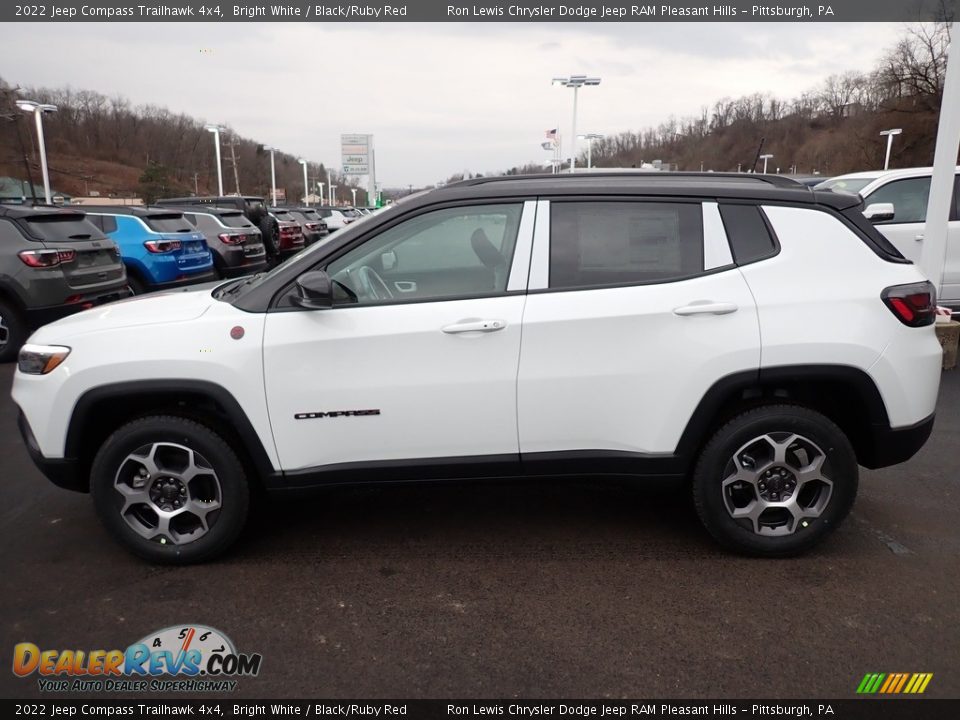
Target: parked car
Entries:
(236, 242)
(287, 233)
(896, 203)
(336, 217)
(743, 333)
(52, 263)
(252, 206)
(160, 249)
(312, 225)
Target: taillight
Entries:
(914, 305)
(162, 246)
(313, 226)
(47, 258)
(229, 239)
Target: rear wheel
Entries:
(775, 481)
(170, 490)
(13, 331)
(136, 285)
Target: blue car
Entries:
(159, 248)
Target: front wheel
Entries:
(13, 332)
(775, 481)
(170, 489)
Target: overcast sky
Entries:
(440, 98)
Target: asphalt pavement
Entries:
(587, 588)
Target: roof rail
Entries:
(775, 180)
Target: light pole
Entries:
(590, 137)
(320, 185)
(576, 82)
(889, 134)
(215, 129)
(333, 194)
(306, 185)
(38, 109)
(273, 177)
(765, 158)
(353, 191)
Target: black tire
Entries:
(716, 463)
(13, 332)
(136, 285)
(233, 487)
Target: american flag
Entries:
(551, 134)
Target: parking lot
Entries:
(585, 588)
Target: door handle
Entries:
(706, 308)
(405, 286)
(465, 326)
(919, 237)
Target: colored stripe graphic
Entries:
(894, 683)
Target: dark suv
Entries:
(313, 226)
(252, 206)
(236, 242)
(52, 263)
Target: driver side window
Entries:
(449, 253)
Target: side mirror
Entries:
(879, 212)
(388, 260)
(314, 291)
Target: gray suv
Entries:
(52, 263)
(236, 242)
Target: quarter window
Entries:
(609, 243)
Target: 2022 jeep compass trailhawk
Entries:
(755, 337)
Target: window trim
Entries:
(321, 263)
(540, 258)
(717, 252)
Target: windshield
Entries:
(62, 227)
(168, 223)
(235, 220)
(847, 185)
(310, 214)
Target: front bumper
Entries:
(63, 472)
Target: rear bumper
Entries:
(891, 446)
(38, 316)
(191, 279)
(63, 472)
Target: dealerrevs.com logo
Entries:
(180, 658)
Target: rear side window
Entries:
(167, 223)
(108, 223)
(749, 235)
(62, 227)
(608, 243)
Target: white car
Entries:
(741, 333)
(908, 191)
(337, 218)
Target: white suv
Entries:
(896, 202)
(746, 334)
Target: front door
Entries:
(419, 360)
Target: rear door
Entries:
(909, 197)
(635, 310)
(87, 259)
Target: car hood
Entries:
(153, 309)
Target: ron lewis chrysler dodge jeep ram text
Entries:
(758, 338)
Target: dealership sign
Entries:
(355, 153)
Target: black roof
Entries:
(201, 209)
(135, 210)
(208, 199)
(650, 184)
(20, 210)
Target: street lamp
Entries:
(590, 137)
(273, 176)
(333, 194)
(889, 134)
(38, 109)
(576, 82)
(765, 158)
(320, 185)
(353, 191)
(306, 185)
(215, 129)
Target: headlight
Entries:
(41, 359)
